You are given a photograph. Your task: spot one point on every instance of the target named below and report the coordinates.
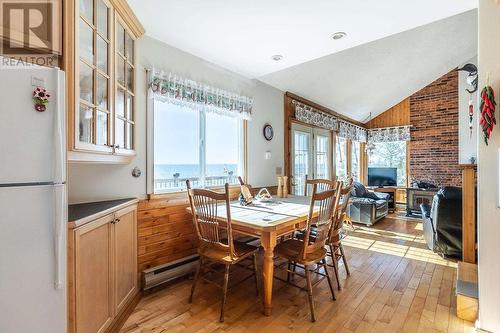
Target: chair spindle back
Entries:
(326, 202)
(345, 195)
(322, 185)
(204, 206)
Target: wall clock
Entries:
(268, 132)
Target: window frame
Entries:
(406, 169)
(360, 167)
(150, 176)
(347, 155)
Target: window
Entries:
(301, 157)
(322, 148)
(390, 155)
(341, 158)
(188, 144)
(355, 161)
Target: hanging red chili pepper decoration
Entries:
(487, 108)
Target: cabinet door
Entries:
(125, 89)
(93, 273)
(125, 244)
(93, 83)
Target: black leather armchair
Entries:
(367, 207)
(442, 223)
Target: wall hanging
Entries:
(472, 80)
(268, 132)
(487, 108)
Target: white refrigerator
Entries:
(33, 203)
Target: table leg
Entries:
(268, 242)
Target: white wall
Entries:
(467, 140)
(89, 182)
(489, 213)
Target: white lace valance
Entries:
(389, 134)
(351, 131)
(315, 117)
(199, 96)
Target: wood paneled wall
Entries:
(165, 231)
(398, 115)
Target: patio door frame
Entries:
(312, 151)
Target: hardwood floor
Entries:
(396, 285)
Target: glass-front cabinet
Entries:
(125, 89)
(100, 62)
(93, 84)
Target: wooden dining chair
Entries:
(334, 241)
(307, 252)
(246, 239)
(216, 243)
(346, 218)
(322, 184)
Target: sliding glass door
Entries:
(310, 156)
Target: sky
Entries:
(177, 137)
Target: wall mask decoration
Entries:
(472, 78)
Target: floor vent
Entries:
(155, 276)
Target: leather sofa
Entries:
(367, 207)
(442, 222)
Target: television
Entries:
(382, 177)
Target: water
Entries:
(167, 171)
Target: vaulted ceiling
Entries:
(376, 76)
(392, 47)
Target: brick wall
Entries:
(434, 135)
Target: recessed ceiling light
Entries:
(338, 35)
(277, 57)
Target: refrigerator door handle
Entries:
(59, 233)
(59, 133)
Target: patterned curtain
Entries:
(180, 91)
(351, 131)
(312, 116)
(392, 134)
(315, 117)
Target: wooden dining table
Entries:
(268, 221)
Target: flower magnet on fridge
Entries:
(41, 99)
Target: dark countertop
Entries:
(84, 210)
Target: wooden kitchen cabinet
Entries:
(125, 248)
(99, 61)
(102, 269)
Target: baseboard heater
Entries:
(155, 276)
